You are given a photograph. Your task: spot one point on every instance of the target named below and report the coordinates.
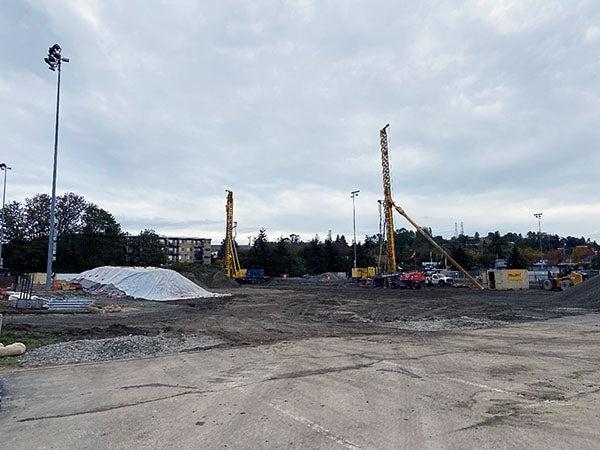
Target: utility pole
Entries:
(54, 61)
(5, 168)
(538, 216)
(354, 194)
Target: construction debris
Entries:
(122, 347)
(55, 304)
(146, 283)
(331, 276)
(68, 304)
(17, 301)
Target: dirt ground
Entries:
(259, 315)
(341, 366)
(533, 385)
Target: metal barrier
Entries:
(26, 286)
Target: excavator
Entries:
(390, 275)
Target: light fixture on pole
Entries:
(4, 168)
(538, 216)
(354, 194)
(54, 61)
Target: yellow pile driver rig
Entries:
(390, 267)
(231, 262)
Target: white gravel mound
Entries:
(148, 283)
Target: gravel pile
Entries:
(585, 295)
(122, 347)
(459, 323)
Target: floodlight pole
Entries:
(5, 168)
(55, 64)
(538, 216)
(354, 194)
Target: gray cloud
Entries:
(493, 108)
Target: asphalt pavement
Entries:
(532, 385)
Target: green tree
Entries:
(516, 260)
(70, 208)
(147, 250)
(259, 255)
(366, 252)
(314, 259)
(345, 254)
(462, 257)
(282, 257)
(102, 242)
(15, 223)
(331, 256)
(37, 216)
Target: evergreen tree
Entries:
(260, 256)
(331, 256)
(366, 252)
(282, 258)
(313, 257)
(516, 260)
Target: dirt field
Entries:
(533, 385)
(340, 367)
(258, 315)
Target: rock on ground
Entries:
(123, 347)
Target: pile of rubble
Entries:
(122, 347)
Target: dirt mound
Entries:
(209, 277)
(331, 276)
(585, 295)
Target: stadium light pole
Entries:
(538, 216)
(5, 168)
(54, 61)
(354, 194)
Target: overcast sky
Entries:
(494, 109)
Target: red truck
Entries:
(404, 280)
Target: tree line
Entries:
(290, 255)
(87, 237)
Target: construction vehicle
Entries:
(391, 276)
(362, 273)
(412, 280)
(231, 261)
(400, 280)
(439, 279)
(564, 279)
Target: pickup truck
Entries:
(439, 279)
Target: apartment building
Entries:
(187, 249)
